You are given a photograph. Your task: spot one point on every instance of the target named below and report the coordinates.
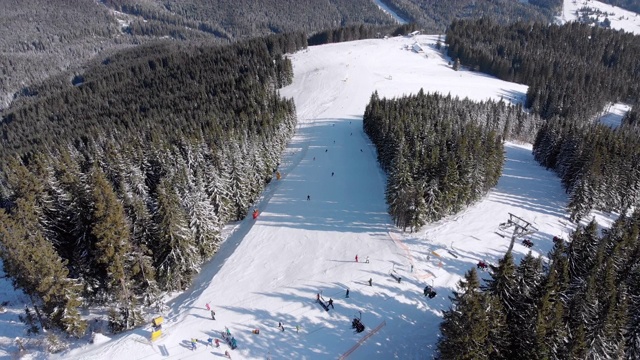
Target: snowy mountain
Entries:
(328, 208)
(271, 269)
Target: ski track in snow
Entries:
(269, 270)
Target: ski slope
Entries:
(270, 270)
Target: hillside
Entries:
(270, 270)
(69, 33)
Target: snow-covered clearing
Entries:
(271, 269)
(391, 13)
(620, 18)
(614, 113)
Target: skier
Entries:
(213, 314)
(234, 344)
(193, 344)
(217, 343)
(411, 267)
(314, 158)
(356, 257)
(297, 328)
(332, 173)
(208, 307)
(308, 197)
(331, 303)
(370, 280)
(318, 297)
(210, 342)
(325, 150)
(347, 293)
(366, 259)
(227, 331)
(226, 353)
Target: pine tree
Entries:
(112, 237)
(523, 321)
(176, 254)
(582, 250)
(34, 266)
(464, 327)
(503, 285)
(632, 346)
(551, 330)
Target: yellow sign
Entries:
(156, 334)
(157, 321)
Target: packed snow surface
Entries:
(620, 18)
(271, 269)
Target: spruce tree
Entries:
(176, 254)
(551, 329)
(464, 327)
(503, 285)
(112, 237)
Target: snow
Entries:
(11, 306)
(614, 113)
(620, 20)
(391, 13)
(271, 269)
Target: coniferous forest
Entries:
(584, 303)
(573, 72)
(116, 183)
(118, 177)
(440, 153)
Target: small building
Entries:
(417, 48)
(417, 32)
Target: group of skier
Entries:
(211, 341)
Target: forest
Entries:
(573, 72)
(115, 187)
(118, 148)
(434, 17)
(440, 153)
(69, 33)
(583, 303)
(631, 5)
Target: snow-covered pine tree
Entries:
(632, 336)
(523, 325)
(582, 250)
(464, 326)
(238, 183)
(176, 255)
(551, 329)
(503, 285)
(35, 267)
(110, 230)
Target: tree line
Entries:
(573, 71)
(440, 153)
(115, 189)
(433, 16)
(584, 303)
